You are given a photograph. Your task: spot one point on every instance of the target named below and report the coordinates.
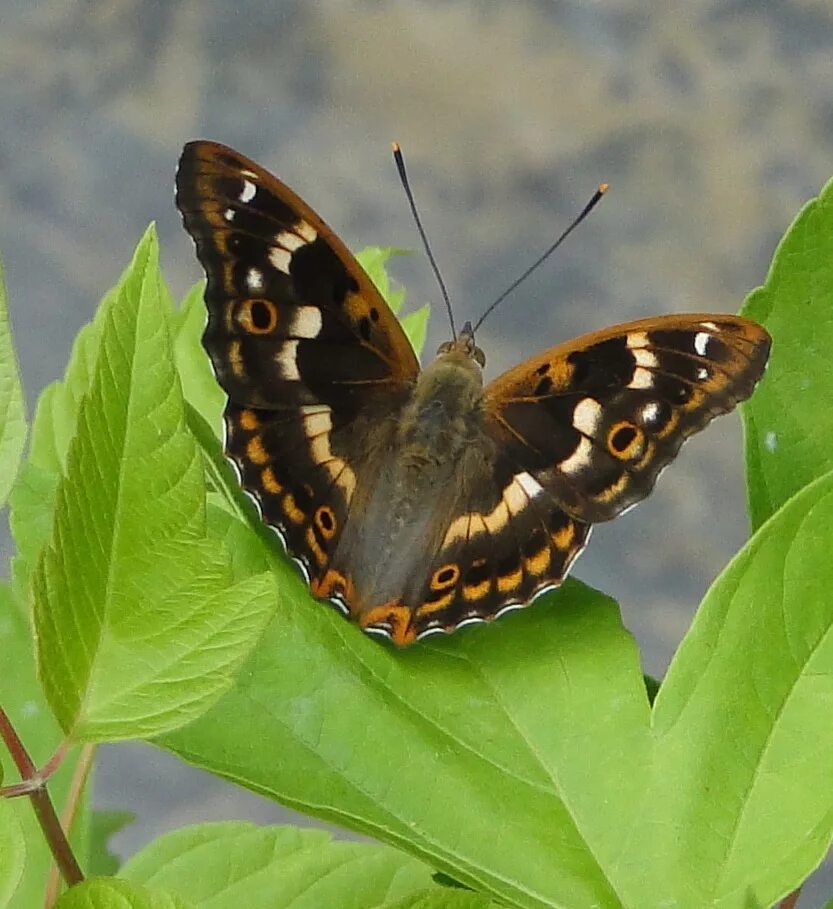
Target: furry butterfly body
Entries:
(421, 501)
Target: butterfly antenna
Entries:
(545, 255)
(403, 176)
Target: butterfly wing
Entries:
(570, 437)
(301, 341)
(597, 419)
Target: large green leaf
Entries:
(742, 727)
(228, 865)
(12, 408)
(494, 755)
(140, 625)
(24, 702)
(789, 423)
(108, 893)
(539, 728)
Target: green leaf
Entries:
(427, 747)
(432, 899)
(543, 723)
(373, 259)
(23, 700)
(56, 412)
(237, 864)
(31, 508)
(140, 625)
(742, 724)
(12, 407)
(788, 429)
(103, 825)
(416, 327)
(12, 852)
(199, 385)
(109, 893)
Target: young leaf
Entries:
(416, 327)
(427, 748)
(237, 864)
(373, 259)
(12, 852)
(109, 893)
(788, 427)
(12, 408)
(139, 623)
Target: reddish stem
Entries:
(33, 784)
(69, 816)
(791, 901)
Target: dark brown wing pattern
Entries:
(300, 339)
(575, 436)
(596, 420)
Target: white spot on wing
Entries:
(307, 322)
(645, 357)
(280, 258)
(289, 240)
(701, 342)
(637, 339)
(254, 278)
(318, 422)
(702, 373)
(586, 416)
(579, 459)
(650, 412)
(529, 484)
(228, 214)
(306, 231)
(285, 360)
(642, 378)
(710, 325)
(248, 192)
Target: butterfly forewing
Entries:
(293, 318)
(307, 350)
(596, 420)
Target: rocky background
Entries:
(712, 121)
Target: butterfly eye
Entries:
(445, 347)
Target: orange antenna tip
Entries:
(395, 147)
(604, 187)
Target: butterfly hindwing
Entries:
(505, 540)
(596, 420)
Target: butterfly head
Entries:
(463, 346)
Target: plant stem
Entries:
(69, 815)
(790, 901)
(33, 784)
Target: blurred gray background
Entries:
(712, 121)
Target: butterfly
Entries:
(421, 501)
